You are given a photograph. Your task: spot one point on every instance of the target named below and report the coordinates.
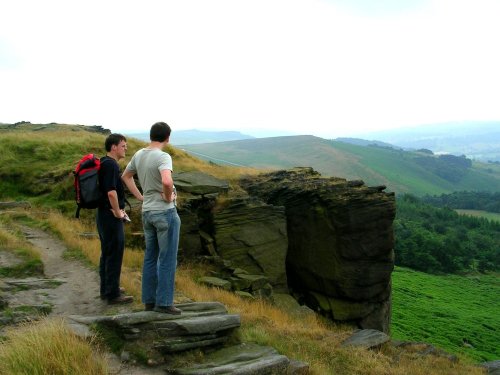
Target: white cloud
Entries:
(308, 66)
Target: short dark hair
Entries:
(159, 132)
(113, 139)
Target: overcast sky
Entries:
(324, 67)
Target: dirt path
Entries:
(79, 291)
(77, 294)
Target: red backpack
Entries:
(87, 193)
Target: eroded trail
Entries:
(78, 292)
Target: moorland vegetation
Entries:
(36, 164)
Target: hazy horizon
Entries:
(329, 68)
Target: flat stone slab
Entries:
(199, 325)
(8, 259)
(367, 338)
(492, 367)
(30, 283)
(130, 319)
(199, 183)
(20, 204)
(216, 282)
(243, 359)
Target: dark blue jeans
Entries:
(112, 236)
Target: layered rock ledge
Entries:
(340, 242)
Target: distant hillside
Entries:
(364, 142)
(479, 140)
(193, 136)
(401, 171)
(26, 126)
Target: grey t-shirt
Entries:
(147, 163)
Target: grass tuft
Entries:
(48, 347)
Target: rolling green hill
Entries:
(401, 171)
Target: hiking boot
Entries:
(122, 290)
(149, 306)
(168, 310)
(120, 300)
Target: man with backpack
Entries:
(159, 219)
(110, 220)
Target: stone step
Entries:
(242, 359)
(200, 325)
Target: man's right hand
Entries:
(119, 215)
(172, 197)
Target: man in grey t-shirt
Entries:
(159, 218)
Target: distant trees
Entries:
(437, 240)
(469, 200)
(449, 167)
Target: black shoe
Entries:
(122, 290)
(120, 300)
(149, 306)
(168, 310)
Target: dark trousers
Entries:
(112, 236)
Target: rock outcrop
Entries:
(252, 235)
(244, 231)
(340, 254)
(327, 240)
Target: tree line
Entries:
(468, 200)
(449, 167)
(438, 240)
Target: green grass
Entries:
(402, 173)
(30, 267)
(478, 213)
(396, 169)
(451, 312)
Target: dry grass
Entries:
(48, 347)
(11, 241)
(308, 338)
